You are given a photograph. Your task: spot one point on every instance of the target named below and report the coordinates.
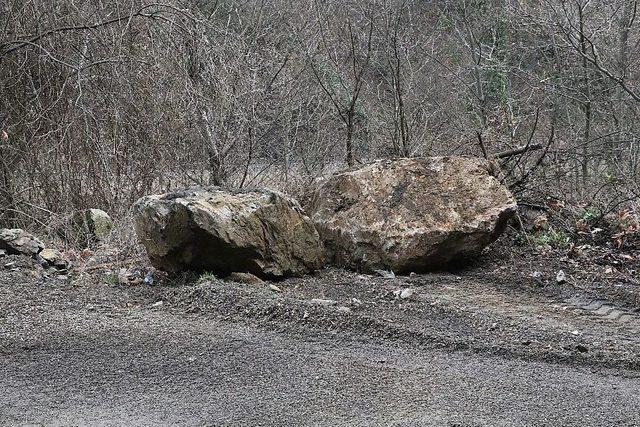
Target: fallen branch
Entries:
(519, 150)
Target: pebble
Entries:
(344, 309)
(149, 278)
(403, 293)
(581, 348)
(274, 288)
(157, 304)
(387, 274)
(406, 293)
(561, 277)
(3, 252)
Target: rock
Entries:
(3, 252)
(149, 278)
(274, 288)
(344, 310)
(248, 278)
(386, 274)
(406, 293)
(403, 293)
(93, 224)
(54, 258)
(409, 215)
(209, 229)
(561, 277)
(18, 242)
(43, 262)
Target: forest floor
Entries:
(501, 342)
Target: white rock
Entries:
(274, 288)
(387, 274)
(406, 293)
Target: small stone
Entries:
(561, 277)
(53, 258)
(356, 301)
(581, 348)
(343, 309)
(536, 275)
(406, 293)
(157, 304)
(323, 302)
(575, 332)
(274, 288)
(3, 252)
(150, 277)
(386, 274)
(43, 262)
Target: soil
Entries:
(500, 342)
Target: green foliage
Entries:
(551, 237)
(111, 279)
(591, 213)
(497, 85)
(206, 277)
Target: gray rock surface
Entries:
(16, 241)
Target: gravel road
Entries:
(466, 350)
(159, 369)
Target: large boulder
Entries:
(17, 241)
(209, 229)
(410, 214)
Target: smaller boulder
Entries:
(54, 258)
(93, 224)
(18, 242)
